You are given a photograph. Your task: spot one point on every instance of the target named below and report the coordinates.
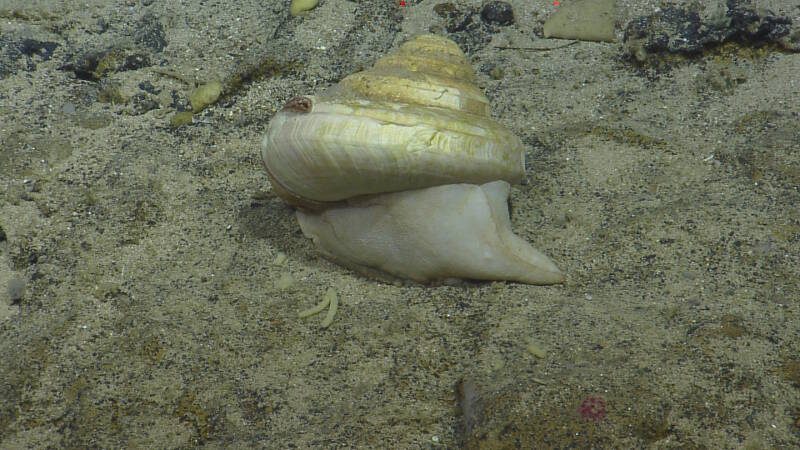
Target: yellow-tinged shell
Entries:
(415, 119)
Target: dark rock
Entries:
(95, 65)
(464, 26)
(135, 61)
(84, 66)
(150, 33)
(446, 10)
(457, 20)
(681, 30)
(12, 51)
(673, 29)
(30, 47)
(497, 13)
(149, 88)
(142, 103)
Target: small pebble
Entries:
(497, 73)
(497, 13)
(299, 7)
(205, 95)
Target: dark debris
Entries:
(679, 30)
(31, 50)
(472, 28)
(95, 65)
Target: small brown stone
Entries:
(298, 105)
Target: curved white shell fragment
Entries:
(458, 231)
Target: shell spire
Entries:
(427, 71)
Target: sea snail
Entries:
(398, 172)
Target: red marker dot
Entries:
(556, 3)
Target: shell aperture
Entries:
(442, 233)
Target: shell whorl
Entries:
(427, 71)
(415, 119)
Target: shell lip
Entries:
(290, 198)
(303, 104)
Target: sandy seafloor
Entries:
(158, 310)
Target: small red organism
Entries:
(592, 408)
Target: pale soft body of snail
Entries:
(398, 170)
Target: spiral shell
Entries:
(414, 120)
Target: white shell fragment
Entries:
(457, 231)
